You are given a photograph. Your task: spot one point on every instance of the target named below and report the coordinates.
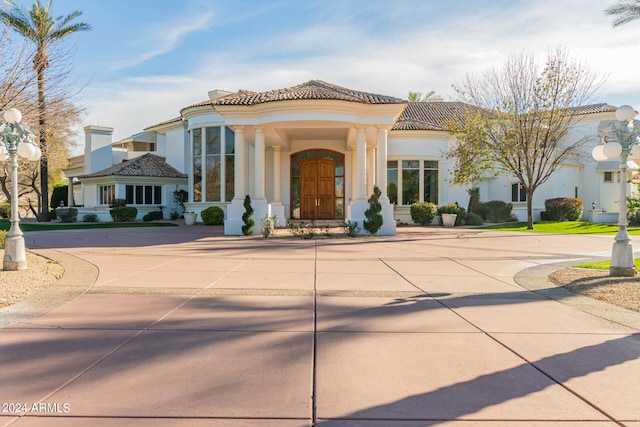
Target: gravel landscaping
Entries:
(18, 285)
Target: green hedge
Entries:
(67, 214)
(213, 215)
(123, 213)
(152, 216)
(495, 211)
(423, 212)
(563, 209)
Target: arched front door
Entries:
(317, 185)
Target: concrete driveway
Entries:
(182, 326)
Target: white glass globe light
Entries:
(26, 150)
(598, 153)
(3, 153)
(625, 112)
(37, 153)
(12, 115)
(612, 149)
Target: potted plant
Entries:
(190, 218)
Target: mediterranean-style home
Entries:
(313, 151)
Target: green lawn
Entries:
(564, 227)
(43, 226)
(604, 265)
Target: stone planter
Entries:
(449, 220)
(190, 218)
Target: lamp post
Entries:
(619, 139)
(16, 140)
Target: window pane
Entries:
(148, 195)
(339, 187)
(392, 164)
(410, 164)
(392, 185)
(229, 178)
(129, 196)
(139, 195)
(340, 167)
(339, 208)
(431, 186)
(213, 179)
(197, 179)
(197, 142)
(410, 186)
(157, 194)
(431, 164)
(229, 141)
(213, 140)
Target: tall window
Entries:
(411, 181)
(106, 194)
(518, 193)
(213, 164)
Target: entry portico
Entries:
(312, 151)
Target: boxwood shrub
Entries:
(152, 216)
(423, 212)
(213, 215)
(124, 213)
(67, 214)
(495, 211)
(563, 209)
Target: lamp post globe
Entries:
(15, 140)
(621, 139)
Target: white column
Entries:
(370, 169)
(238, 172)
(276, 174)
(381, 151)
(361, 170)
(354, 172)
(259, 186)
(70, 201)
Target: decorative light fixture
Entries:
(620, 139)
(15, 140)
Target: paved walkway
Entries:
(185, 327)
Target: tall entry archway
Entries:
(317, 185)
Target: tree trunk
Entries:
(529, 209)
(44, 169)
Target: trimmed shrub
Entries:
(473, 219)
(116, 203)
(5, 210)
(564, 209)
(59, 194)
(67, 214)
(123, 213)
(374, 219)
(495, 211)
(152, 216)
(423, 213)
(453, 208)
(247, 228)
(213, 215)
(90, 218)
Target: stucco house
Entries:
(313, 152)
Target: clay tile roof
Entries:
(166, 122)
(148, 165)
(595, 108)
(313, 89)
(430, 115)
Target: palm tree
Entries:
(38, 25)
(625, 10)
(418, 97)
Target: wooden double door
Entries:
(317, 189)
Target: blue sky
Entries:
(144, 60)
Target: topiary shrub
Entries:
(423, 212)
(213, 215)
(247, 228)
(495, 211)
(90, 218)
(5, 210)
(563, 209)
(67, 214)
(124, 213)
(452, 208)
(152, 216)
(374, 219)
(58, 195)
